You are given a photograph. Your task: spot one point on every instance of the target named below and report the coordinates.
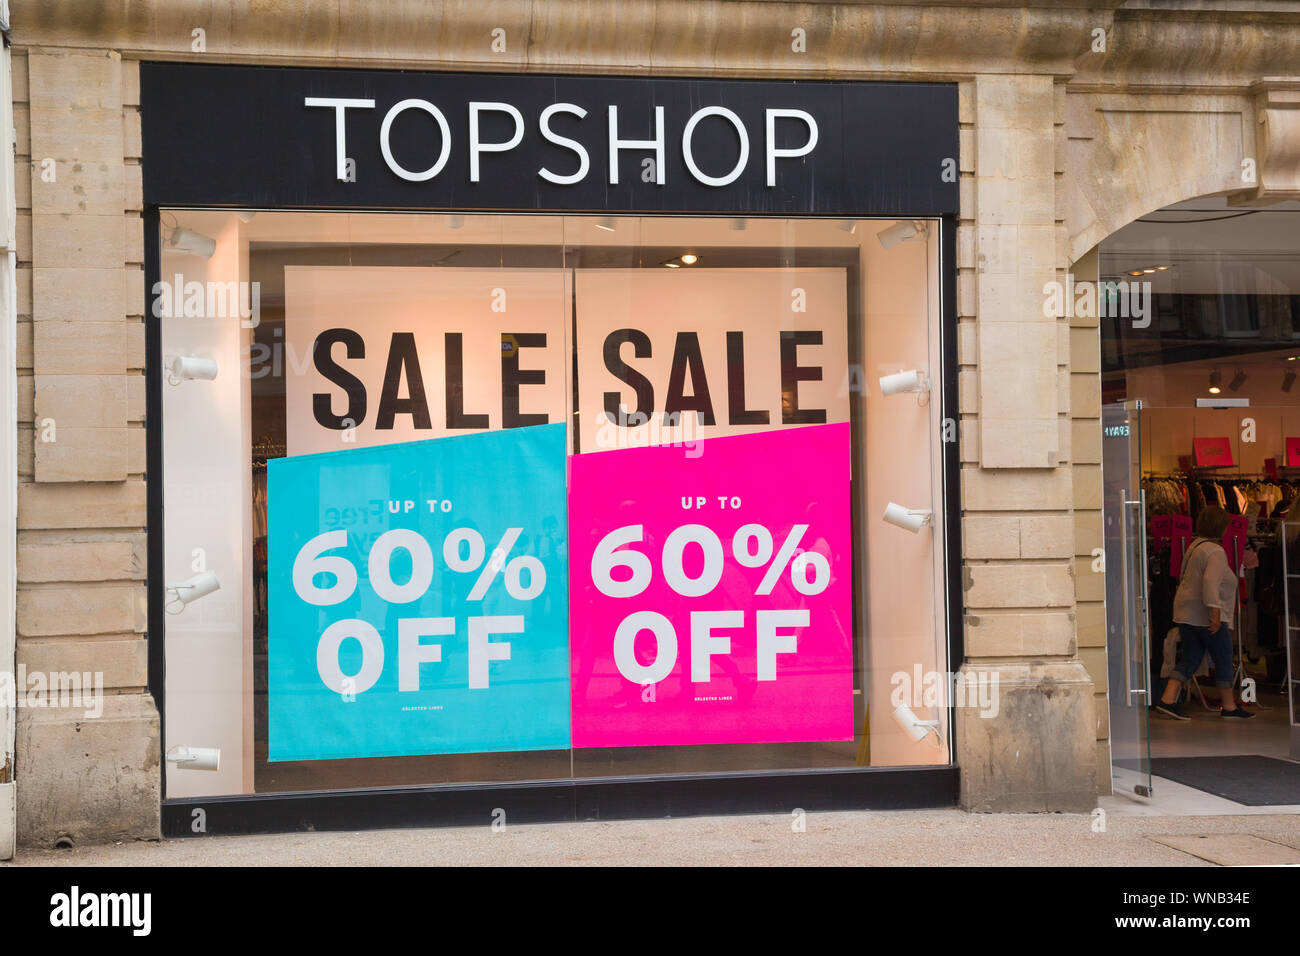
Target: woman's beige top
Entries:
(1208, 581)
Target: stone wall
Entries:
(81, 482)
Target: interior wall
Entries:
(1172, 420)
(903, 628)
(204, 431)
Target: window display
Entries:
(524, 497)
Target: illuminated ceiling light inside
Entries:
(1215, 379)
(1238, 379)
(1136, 272)
(673, 264)
(1162, 268)
(1288, 380)
(1292, 358)
(455, 222)
(690, 258)
(608, 223)
(1148, 271)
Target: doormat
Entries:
(1251, 780)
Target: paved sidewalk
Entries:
(909, 838)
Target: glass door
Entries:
(1127, 625)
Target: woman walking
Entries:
(1203, 606)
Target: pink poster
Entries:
(1212, 452)
(711, 591)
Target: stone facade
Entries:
(1075, 119)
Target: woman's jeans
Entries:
(1196, 643)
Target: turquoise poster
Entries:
(418, 598)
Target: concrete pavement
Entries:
(906, 838)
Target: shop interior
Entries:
(1201, 408)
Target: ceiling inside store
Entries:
(1211, 247)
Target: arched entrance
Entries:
(1200, 409)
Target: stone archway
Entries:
(1144, 152)
(1148, 151)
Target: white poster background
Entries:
(762, 303)
(481, 304)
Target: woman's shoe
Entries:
(1174, 710)
(1239, 712)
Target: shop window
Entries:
(473, 498)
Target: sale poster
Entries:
(1293, 452)
(1212, 452)
(441, 352)
(671, 356)
(712, 592)
(419, 599)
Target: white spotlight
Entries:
(195, 758)
(186, 592)
(185, 368)
(914, 726)
(912, 380)
(192, 243)
(607, 223)
(898, 232)
(910, 519)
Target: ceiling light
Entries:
(1215, 379)
(455, 222)
(673, 264)
(1238, 379)
(608, 223)
(1162, 268)
(1136, 272)
(690, 258)
(1148, 271)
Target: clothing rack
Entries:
(265, 448)
(1257, 475)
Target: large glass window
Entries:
(474, 498)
